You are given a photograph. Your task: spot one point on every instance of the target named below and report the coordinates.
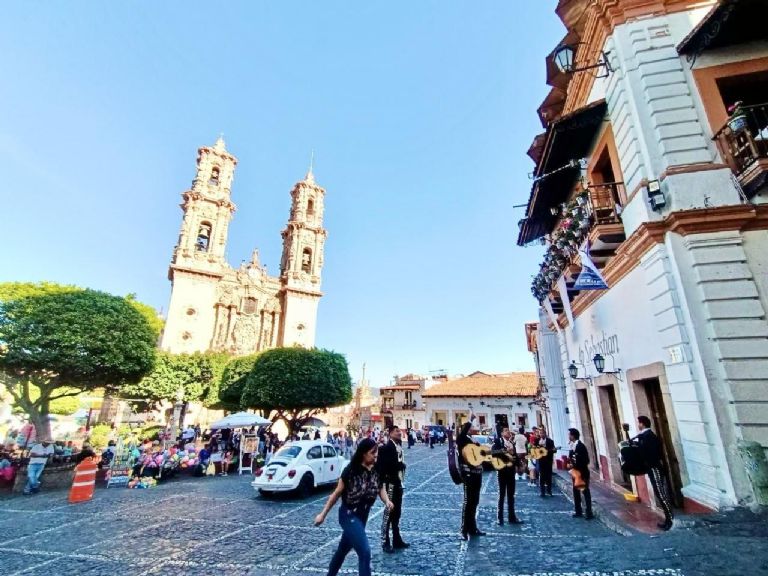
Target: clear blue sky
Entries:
(420, 114)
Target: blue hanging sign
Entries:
(589, 277)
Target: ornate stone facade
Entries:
(216, 307)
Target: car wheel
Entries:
(306, 486)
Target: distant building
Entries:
(241, 311)
(496, 400)
(402, 404)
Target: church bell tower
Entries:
(302, 263)
(199, 259)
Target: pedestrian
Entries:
(578, 459)
(472, 478)
(506, 477)
(358, 488)
(411, 438)
(545, 462)
(650, 445)
(391, 467)
(38, 458)
(348, 446)
(521, 450)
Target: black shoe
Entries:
(577, 515)
(464, 535)
(589, 516)
(387, 548)
(542, 494)
(477, 533)
(501, 521)
(666, 525)
(515, 520)
(549, 493)
(400, 545)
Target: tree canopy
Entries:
(196, 375)
(233, 381)
(65, 340)
(297, 383)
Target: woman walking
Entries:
(358, 488)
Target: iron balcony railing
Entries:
(744, 138)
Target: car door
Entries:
(332, 467)
(315, 462)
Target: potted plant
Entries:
(737, 121)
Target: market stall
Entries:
(249, 443)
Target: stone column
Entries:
(552, 371)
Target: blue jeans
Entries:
(353, 536)
(33, 477)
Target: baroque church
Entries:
(241, 311)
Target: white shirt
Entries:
(40, 449)
(520, 442)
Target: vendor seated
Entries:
(86, 452)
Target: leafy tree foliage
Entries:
(64, 341)
(233, 380)
(195, 375)
(297, 383)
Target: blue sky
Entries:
(419, 114)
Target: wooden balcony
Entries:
(607, 232)
(743, 144)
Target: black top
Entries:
(389, 465)
(549, 444)
(650, 444)
(579, 458)
(361, 488)
(463, 439)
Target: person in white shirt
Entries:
(521, 450)
(38, 458)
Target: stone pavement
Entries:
(218, 526)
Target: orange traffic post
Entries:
(84, 482)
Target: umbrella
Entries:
(314, 422)
(240, 420)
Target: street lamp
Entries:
(573, 370)
(565, 60)
(599, 361)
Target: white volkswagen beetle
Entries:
(300, 466)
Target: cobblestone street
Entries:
(220, 526)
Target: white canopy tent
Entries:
(240, 420)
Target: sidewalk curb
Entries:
(605, 518)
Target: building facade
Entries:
(654, 160)
(508, 400)
(241, 311)
(402, 404)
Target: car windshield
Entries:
(288, 452)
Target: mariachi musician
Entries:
(650, 445)
(547, 448)
(506, 476)
(472, 478)
(578, 460)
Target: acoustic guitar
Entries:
(539, 452)
(475, 455)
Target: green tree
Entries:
(65, 341)
(232, 383)
(196, 376)
(297, 383)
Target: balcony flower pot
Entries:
(738, 119)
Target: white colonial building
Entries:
(216, 307)
(402, 404)
(655, 156)
(496, 400)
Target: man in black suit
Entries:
(472, 477)
(546, 462)
(578, 458)
(650, 444)
(506, 477)
(391, 468)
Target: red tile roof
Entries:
(481, 384)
